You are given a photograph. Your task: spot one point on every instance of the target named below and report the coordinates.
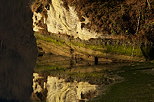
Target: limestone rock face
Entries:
(108, 23)
(17, 51)
(87, 19)
(59, 19)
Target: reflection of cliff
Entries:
(58, 90)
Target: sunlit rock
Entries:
(118, 27)
(60, 20)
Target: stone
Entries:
(18, 51)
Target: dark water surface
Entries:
(61, 79)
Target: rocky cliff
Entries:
(18, 51)
(120, 23)
(59, 19)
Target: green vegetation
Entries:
(138, 86)
(80, 46)
(49, 39)
(123, 50)
(61, 42)
(89, 46)
(66, 43)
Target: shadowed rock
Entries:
(147, 51)
(17, 51)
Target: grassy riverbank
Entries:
(138, 85)
(108, 49)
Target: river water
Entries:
(61, 79)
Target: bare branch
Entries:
(149, 4)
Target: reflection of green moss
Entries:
(47, 68)
(124, 50)
(92, 75)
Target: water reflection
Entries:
(53, 89)
(57, 80)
